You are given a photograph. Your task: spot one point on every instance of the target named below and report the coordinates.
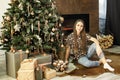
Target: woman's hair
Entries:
(83, 37)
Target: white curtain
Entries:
(102, 8)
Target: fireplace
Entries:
(85, 8)
(70, 19)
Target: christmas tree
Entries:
(31, 25)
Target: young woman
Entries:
(76, 48)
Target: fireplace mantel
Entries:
(90, 7)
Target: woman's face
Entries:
(79, 27)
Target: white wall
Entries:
(3, 6)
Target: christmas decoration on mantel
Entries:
(31, 25)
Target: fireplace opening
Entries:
(69, 20)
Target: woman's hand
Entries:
(66, 62)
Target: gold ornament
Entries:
(12, 32)
(32, 27)
(53, 29)
(49, 14)
(12, 49)
(27, 51)
(52, 40)
(61, 19)
(32, 13)
(62, 45)
(8, 18)
(38, 26)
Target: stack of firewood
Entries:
(105, 41)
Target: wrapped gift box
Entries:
(43, 58)
(13, 61)
(40, 69)
(26, 75)
(28, 64)
(38, 73)
(49, 73)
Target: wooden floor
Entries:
(82, 71)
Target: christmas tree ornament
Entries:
(8, 18)
(32, 13)
(60, 24)
(27, 51)
(62, 34)
(14, 19)
(61, 19)
(52, 33)
(52, 39)
(28, 8)
(17, 27)
(20, 6)
(12, 49)
(38, 26)
(62, 45)
(12, 32)
(32, 27)
(5, 39)
(53, 29)
(49, 14)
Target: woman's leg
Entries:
(91, 50)
(85, 59)
(102, 58)
(87, 63)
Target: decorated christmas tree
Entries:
(31, 25)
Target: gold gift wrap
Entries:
(28, 64)
(13, 61)
(49, 73)
(26, 75)
(39, 70)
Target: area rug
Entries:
(114, 49)
(104, 76)
(83, 71)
